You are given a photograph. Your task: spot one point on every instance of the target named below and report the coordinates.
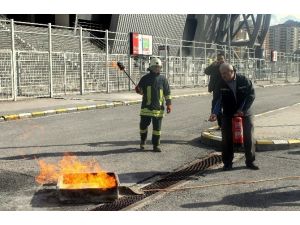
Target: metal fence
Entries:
(38, 60)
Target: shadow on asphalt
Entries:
(60, 154)
(257, 199)
(106, 144)
(194, 142)
(47, 198)
(220, 170)
(94, 144)
(281, 125)
(294, 152)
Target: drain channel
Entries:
(171, 179)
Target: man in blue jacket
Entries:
(236, 97)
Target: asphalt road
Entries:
(111, 137)
(278, 195)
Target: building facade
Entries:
(285, 37)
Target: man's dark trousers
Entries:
(227, 140)
(216, 94)
(156, 122)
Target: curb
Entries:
(277, 85)
(212, 140)
(11, 117)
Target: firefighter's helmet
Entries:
(155, 62)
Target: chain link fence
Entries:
(38, 60)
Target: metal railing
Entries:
(38, 60)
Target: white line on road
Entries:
(275, 110)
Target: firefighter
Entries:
(215, 79)
(235, 98)
(155, 90)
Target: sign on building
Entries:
(140, 44)
(273, 56)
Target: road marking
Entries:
(275, 110)
(91, 107)
(50, 112)
(111, 104)
(278, 142)
(100, 106)
(36, 114)
(81, 108)
(25, 115)
(11, 117)
(264, 142)
(73, 109)
(60, 111)
(294, 141)
(118, 104)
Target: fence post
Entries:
(181, 69)
(118, 75)
(273, 66)
(286, 70)
(18, 72)
(65, 73)
(298, 67)
(106, 62)
(50, 60)
(13, 62)
(205, 54)
(193, 63)
(129, 72)
(166, 55)
(81, 62)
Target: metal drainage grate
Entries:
(169, 180)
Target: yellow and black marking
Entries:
(209, 138)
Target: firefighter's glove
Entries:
(169, 108)
(138, 90)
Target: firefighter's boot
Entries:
(156, 148)
(143, 140)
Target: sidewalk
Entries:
(276, 129)
(36, 107)
(10, 110)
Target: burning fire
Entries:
(114, 64)
(71, 173)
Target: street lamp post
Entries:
(229, 38)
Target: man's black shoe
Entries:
(252, 166)
(227, 167)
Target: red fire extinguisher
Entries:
(237, 131)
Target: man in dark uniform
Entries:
(236, 97)
(155, 90)
(213, 70)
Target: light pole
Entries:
(229, 37)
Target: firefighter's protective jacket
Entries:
(156, 91)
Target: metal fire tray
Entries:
(88, 194)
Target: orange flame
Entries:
(74, 174)
(114, 64)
